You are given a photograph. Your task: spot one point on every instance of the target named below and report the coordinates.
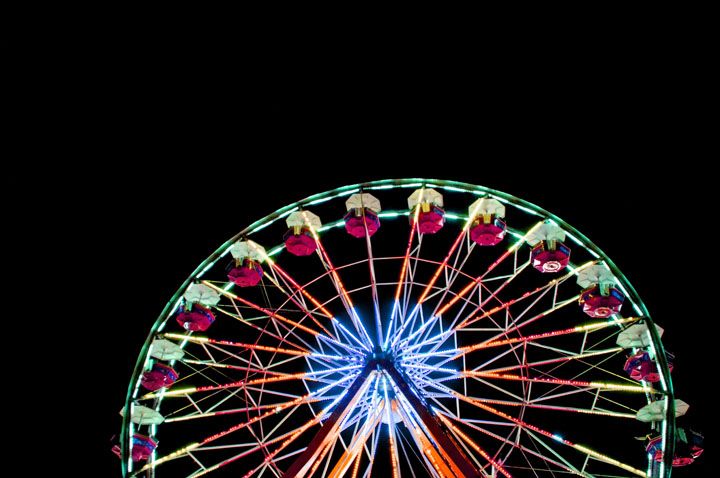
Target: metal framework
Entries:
(456, 356)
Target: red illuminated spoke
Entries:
(303, 308)
(344, 296)
(291, 404)
(269, 313)
(516, 445)
(538, 294)
(547, 434)
(440, 309)
(284, 340)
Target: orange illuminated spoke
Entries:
(556, 381)
(440, 310)
(265, 311)
(246, 383)
(230, 343)
(540, 431)
(474, 446)
(302, 290)
(344, 296)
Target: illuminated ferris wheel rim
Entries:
(380, 185)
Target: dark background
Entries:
(652, 219)
(118, 136)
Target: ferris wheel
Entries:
(405, 328)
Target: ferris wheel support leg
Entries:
(304, 462)
(457, 460)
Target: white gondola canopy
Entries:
(162, 349)
(422, 195)
(636, 336)
(487, 206)
(357, 201)
(655, 411)
(545, 232)
(141, 415)
(594, 275)
(303, 219)
(248, 249)
(202, 294)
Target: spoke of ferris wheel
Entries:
(430, 456)
(278, 317)
(410, 320)
(474, 445)
(271, 456)
(590, 327)
(436, 275)
(394, 458)
(244, 453)
(404, 444)
(291, 404)
(244, 383)
(274, 267)
(516, 445)
(454, 352)
(373, 282)
(255, 360)
(556, 360)
(463, 232)
(214, 393)
(428, 287)
(552, 283)
(265, 348)
(406, 259)
(582, 449)
(439, 339)
(532, 403)
(301, 306)
(357, 444)
(496, 342)
(411, 272)
(329, 432)
(344, 296)
(265, 331)
(472, 285)
(435, 317)
(581, 360)
(373, 451)
(317, 304)
(194, 416)
(265, 311)
(457, 352)
(484, 302)
(339, 287)
(550, 394)
(189, 362)
(238, 316)
(299, 288)
(184, 450)
(535, 438)
(370, 453)
(542, 290)
(414, 229)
